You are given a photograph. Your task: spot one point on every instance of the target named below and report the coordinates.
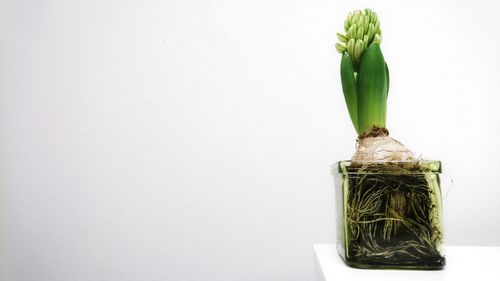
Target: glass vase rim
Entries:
(387, 167)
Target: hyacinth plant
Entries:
(364, 72)
(365, 83)
(390, 203)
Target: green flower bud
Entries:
(351, 33)
(350, 47)
(346, 25)
(360, 33)
(371, 31)
(340, 48)
(355, 18)
(342, 38)
(366, 22)
(374, 17)
(359, 47)
(360, 20)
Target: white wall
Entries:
(191, 140)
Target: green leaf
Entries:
(387, 87)
(349, 88)
(372, 89)
(387, 77)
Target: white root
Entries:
(381, 149)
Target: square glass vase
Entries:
(389, 215)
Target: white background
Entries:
(191, 140)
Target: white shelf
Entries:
(462, 263)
